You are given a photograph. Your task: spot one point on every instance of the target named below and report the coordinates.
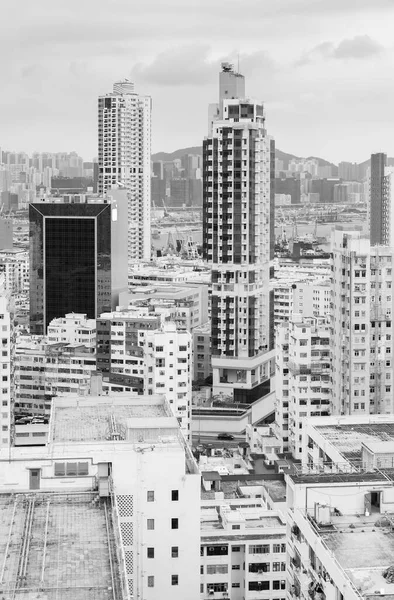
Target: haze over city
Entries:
(323, 70)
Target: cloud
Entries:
(359, 47)
(196, 65)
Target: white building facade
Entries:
(73, 329)
(124, 123)
(168, 370)
(361, 323)
(304, 377)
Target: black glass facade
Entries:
(70, 261)
(70, 267)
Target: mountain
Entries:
(169, 156)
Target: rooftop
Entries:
(91, 418)
(347, 437)
(251, 515)
(57, 546)
(364, 547)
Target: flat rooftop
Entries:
(89, 419)
(64, 554)
(210, 522)
(347, 438)
(364, 547)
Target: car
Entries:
(37, 420)
(225, 436)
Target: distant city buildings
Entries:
(238, 241)
(124, 153)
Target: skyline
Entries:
(326, 97)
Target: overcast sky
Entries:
(323, 67)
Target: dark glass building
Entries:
(78, 258)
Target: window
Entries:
(174, 579)
(201, 569)
(213, 569)
(217, 550)
(259, 549)
(80, 469)
(259, 567)
(151, 581)
(175, 495)
(150, 552)
(279, 585)
(150, 523)
(236, 527)
(150, 496)
(217, 587)
(174, 524)
(235, 585)
(259, 586)
(236, 567)
(174, 552)
(236, 548)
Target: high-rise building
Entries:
(361, 323)
(124, 151)
(381, 201)
(78, 258)
(238, 217)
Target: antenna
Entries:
(238, 64)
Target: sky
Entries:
(324, 69)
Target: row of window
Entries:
(150, 495)
(252, 568)
(150, 552)
(151, 580)
(150, 523)
(253, 549)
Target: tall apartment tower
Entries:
(381, 202)
(78, 258)
(361, 325)
(238, 220)
(124, 149)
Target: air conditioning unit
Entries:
(322, 514)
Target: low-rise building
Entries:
(73, 329)
(112, 503)
(120, 344)
(167, 370)
(341, 510)
(243, 550)
(44, 370)
(186, 305)
(303, 371)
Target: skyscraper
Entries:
(238, 221)
(380, 202)
(124, 149)
(78, 258)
